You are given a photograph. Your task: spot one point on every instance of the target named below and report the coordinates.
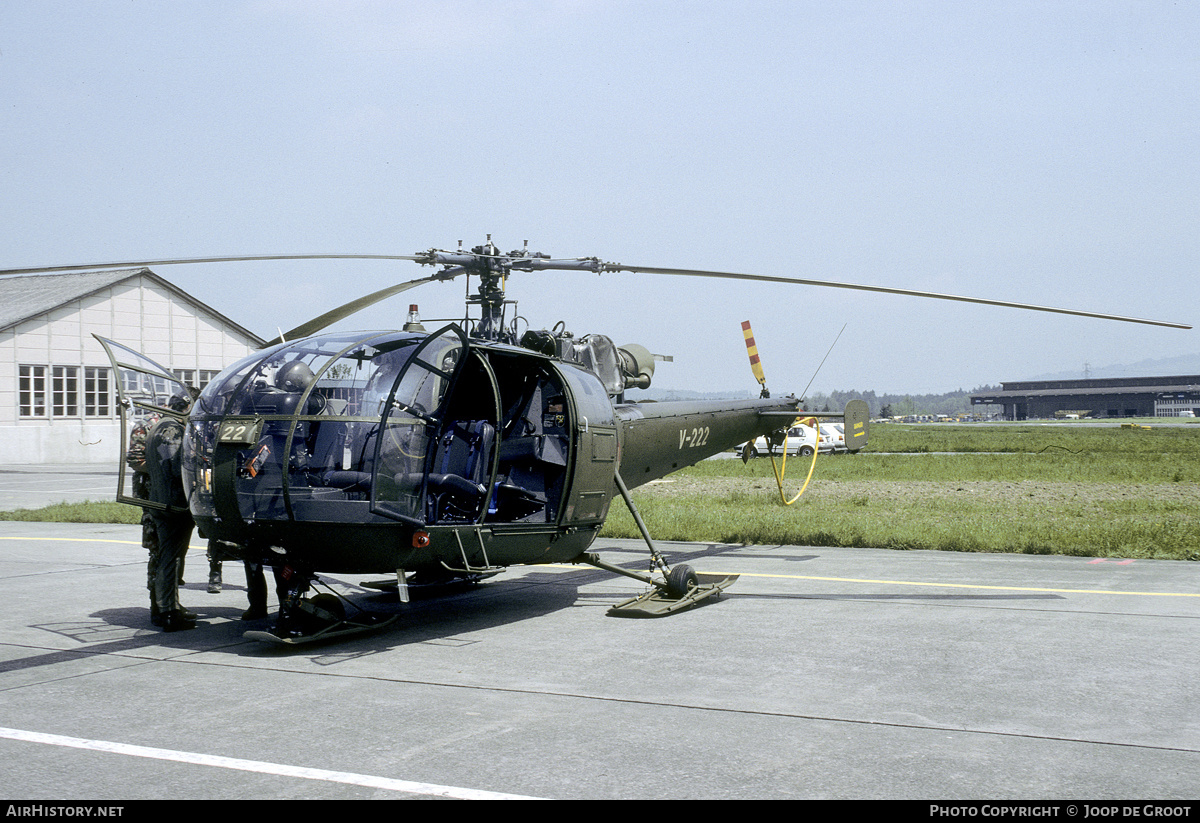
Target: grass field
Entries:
(1063, 489)
(1077, 490)
(78, 513)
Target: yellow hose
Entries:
(782, 467)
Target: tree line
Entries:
(897, 405)
(880, 405)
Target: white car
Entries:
(836, 435)
(801, 440)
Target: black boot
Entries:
(256, 591)
(175, 621)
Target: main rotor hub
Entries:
(492, 267)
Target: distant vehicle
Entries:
(801, 440)
(836, 437)
(841, 446)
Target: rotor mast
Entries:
(492, 268)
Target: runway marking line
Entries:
(973, 586)
(96, 540)
(942, 585)
(798, 577)
(279, 769)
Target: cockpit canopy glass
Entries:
(348, 374)
(300, 420)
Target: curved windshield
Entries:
(295, 427)
(411, 419)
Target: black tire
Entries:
(806, 451)
(320, 612)
(681, 580)
(751, 451)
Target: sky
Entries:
(1039, 152)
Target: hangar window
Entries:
(65, 391)
(31, 391)
(196, 377)
(97, 392)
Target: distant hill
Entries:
(889, 405)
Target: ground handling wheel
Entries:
(320, 612)
(681, 580)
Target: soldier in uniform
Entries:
(256, 581)
(172, 525)
(135, 458)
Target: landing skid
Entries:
(434, 586)
(656, 603)
(344, 628)
(321, 617)
(681, 587)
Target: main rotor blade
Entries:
(182, 260)
(885, 290)
(330, 317)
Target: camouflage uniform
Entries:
(172, 527)
(135, 458)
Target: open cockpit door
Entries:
(146, 392)
(412, 421)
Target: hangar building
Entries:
(57, 393)
(1103, 397)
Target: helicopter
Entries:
(447, 456)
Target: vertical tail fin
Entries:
(856, 419)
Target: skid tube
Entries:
(681, 587)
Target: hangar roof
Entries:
(24, 297)
(1164, 388)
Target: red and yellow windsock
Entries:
(752, 350)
